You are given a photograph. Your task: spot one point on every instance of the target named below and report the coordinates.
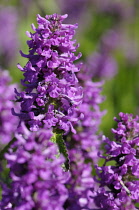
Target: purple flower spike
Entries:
(119, 184)
(85, 144)
(51, 95)
(36, 172)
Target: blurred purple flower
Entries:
(80, 182)
(119, 10)
(75, 9)
(102, 65)
(8, 35)
(89, 114)
(110, 40)
(37, 175)
(25, 6)
(85, 144)
(8, 122)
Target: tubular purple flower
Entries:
(51, 90)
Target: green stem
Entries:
(58, 139)
(63, 150)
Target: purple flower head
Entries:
(102, 64)
(105, 200)
(89, 115)
(8, 35)
(128, 127)
(36, 172)
(8, 122)
(120, 180)
(110, 40)
(51, 95)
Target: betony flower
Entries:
(119, 184)
(85, 144)
(51, 92)
(36, 172)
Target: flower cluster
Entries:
(36, 172)
(51, 95)
(119, 184)
(89, 115)
(85, 144)
(8, 122)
